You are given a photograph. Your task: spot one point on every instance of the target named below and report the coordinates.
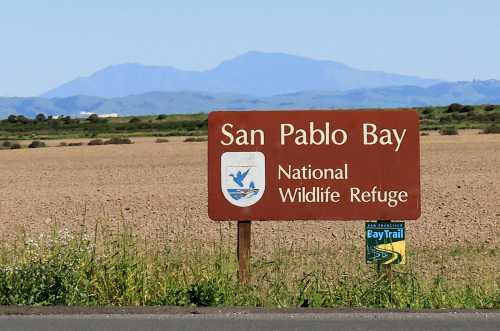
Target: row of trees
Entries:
(97, 125)
(42, 118)
(459, 108)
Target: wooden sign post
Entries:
(311, 165)
(244, 244)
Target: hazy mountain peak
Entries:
(274, 61)
(251, 73)
(127, 68)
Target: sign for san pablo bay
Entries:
(313, 165)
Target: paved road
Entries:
(124, 320)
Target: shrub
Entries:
(489, 107)
(40, 118)
(427, 111)
(19, 119)
(493, 117)
(449, 131)
(428, 122)
(69, 120)
(75, 144)
(466, 109)
(195, 139)
(37, 144)
(9, 145)
(15, 146)
(63, 143)
(458, 117)
(23, 120)
(454, 107)
(472, 115)
(96, 142)
(12, 119)
(445, 119)
(118, 141)
(424, 133)
(162, 140)
(161, 117)
(135, 120)
(94, 118)
(492, 129)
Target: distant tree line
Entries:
(457, 113)
(41, 118)
(459, 108)
(166, 125)
(94, 125)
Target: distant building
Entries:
(87, 114)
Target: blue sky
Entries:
(48, 42)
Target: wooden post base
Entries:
(244, 242)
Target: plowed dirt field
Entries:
(162, 188)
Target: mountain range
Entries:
(253, 80)
(253, 73)
(476, 92)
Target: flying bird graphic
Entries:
(240, 177)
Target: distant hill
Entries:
(476, 92)
(253, 73)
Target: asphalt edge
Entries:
(174, 310)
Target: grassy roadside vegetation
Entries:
(42, 127)
(459, 116)
(104, 267)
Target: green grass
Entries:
(448, 131)
(476, 117)
(171, 125)
(104, 267)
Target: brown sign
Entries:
(313, 165)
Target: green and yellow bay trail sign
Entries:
(385, 242)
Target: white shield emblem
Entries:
(243, 177)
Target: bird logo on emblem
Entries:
(243, 177)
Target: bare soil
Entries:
(162, 188)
